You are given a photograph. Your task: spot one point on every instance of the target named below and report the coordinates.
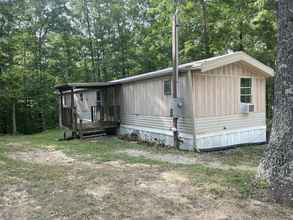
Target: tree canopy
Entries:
(45, 42)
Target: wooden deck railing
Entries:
(67, 120)
(112, 113)
(100, 118)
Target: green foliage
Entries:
(43, 43)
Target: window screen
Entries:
(99, 100)
(245, 90)
(167, 87)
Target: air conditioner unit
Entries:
(246, 107)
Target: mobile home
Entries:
(224, 103)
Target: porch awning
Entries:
(92, 85)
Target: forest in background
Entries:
(46, 42)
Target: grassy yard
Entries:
(108, 178)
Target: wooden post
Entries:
(102, 113)
(14, 129)
(61, 110)
(73, 118)
(80, 129)
(92, 114)
(175, 75)
(106, 106)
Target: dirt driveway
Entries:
(48, 184)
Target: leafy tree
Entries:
(44, 42)
(277, 164)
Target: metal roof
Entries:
(202, 65)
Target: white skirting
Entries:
(204, 141)
(231, 138)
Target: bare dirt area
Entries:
(61, 187)
(49, 157)
(203, 159)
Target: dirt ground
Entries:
(53, 185)
(202, 159)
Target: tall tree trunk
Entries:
(205, 35)
(44, 125)
(14, 129)
(241, 46)
(90, 39)
(277, 165)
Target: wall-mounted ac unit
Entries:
(246, 107)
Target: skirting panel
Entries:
(203, 142)
(231, 138)
(159, 136)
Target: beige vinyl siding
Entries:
(144, 97)
(217, 92)
(229, 122)
(144, 104)
(217, 99)
(157, 122)
(147, 97)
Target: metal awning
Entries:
(92, 85)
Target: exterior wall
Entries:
(145, 98)
(218, 120)
(215, 108)
(217, 92)
(144, 104)
(145, 110)
(212, 124)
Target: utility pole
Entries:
(175, 75)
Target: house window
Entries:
(81, 96)
(245, 90)
(67, 100)
(167, 87)
(99, 99)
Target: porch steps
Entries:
(92, 134)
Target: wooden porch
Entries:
(103, 117)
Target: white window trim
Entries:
(250, 95)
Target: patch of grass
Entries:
(101, 150)
(62, 191)
(218, 181)
(249, 155)
(105, 149)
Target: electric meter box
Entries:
(177, 107)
